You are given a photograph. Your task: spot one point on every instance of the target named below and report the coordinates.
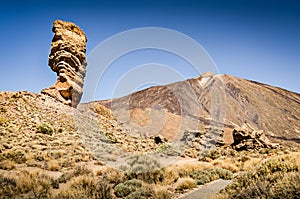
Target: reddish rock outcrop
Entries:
(67, 59)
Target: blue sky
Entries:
(257, 40)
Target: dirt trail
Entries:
(207, 191)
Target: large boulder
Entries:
(67, 58)
(244, 139)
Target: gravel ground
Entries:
(207, 191)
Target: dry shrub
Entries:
(185, 183)
(78, 171)
(111, 175)
(27, 185)
(226, 164)
(16, 155)
(53, 165)
(33, 163)
(8, 186)
(200, 171)
(250, 164)
(162, 193)
(171, 175)
(35, 184)
(7, 165)
(85, 186)
(287, 187)
(186, 169)
(277, 177)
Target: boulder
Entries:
(209, 138)
(244, 139)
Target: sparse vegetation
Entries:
(277, 177)
(33, 136)
(25, 185)
(85, 186)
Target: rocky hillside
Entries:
(36, 130)
(218, 101)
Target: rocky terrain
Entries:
(52, 150)
(36, 129)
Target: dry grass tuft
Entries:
(85, 186)
(227, 164)
(185, 183)
(53, 165)
(112, 175)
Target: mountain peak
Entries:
(217, 101)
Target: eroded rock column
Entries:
(67, 59)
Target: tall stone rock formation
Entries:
(67, 59)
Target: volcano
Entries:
(211, 101)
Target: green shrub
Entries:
(223, 173)
(207, 176)
(128, 187)
(144, 168)
(167, 149)
(144, 192)
(44, 129)
(122, 190)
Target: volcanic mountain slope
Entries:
(215, 101)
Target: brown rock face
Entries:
(67, 59)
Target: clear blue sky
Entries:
(257, 40)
